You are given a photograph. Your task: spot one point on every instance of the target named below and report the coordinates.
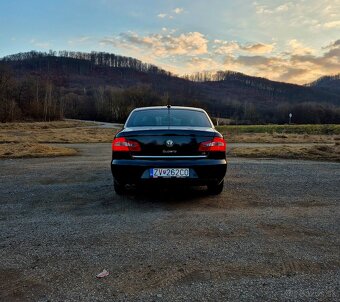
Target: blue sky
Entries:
(292, 41)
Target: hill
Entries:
(327, 83)
(106, 86)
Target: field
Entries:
(282, 129)
(309, 152)
(35, 139)
(55, 132)
(281, 134)
(39, 139)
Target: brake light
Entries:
(121, 144)
(217, 144)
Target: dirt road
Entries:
(273, 234)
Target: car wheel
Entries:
(119, 187)
(216, 188)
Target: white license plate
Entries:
(169, 172)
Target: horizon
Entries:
(293, 42)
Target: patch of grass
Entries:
(279, 138)
(55, 132)
(281, 129)
(45, 125)
(21, 150)
(316, 152)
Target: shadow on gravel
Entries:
(164, 197)
(167, 193)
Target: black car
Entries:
(169, 145)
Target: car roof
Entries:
(166, 107)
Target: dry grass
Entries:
(27, 139)
(279, 138)
(54, 132)
(281, 133)
(82, 132)
(317, 152)
(44, 125)
(315, 129)
(20, 150)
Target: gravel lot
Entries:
(273, 234)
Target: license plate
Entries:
(169, 172)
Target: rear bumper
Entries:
(202, 171)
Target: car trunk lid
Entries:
(169, 141)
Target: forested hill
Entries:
(106, 86)
(328, 83)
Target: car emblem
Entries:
(169, 143)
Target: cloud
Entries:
(228, 47)
(190, 52)
(258, 48)
(297, 48)
(163, 16)
(309, 17)
(201, 64)
(178, 10)
(225, 47)
(332, 24)
(332, 45)
(283, 8)
(253, 60)
(163, 45)
(264, 9)
(298, 66)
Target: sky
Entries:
(291, 41)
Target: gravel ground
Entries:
(273, 234)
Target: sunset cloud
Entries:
(163, 45)
(298, 66)
(298, 48)
(227, 47)
(192, 52)
(258, 48)
(332, 24)
(199, 64)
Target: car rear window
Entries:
(168, 117)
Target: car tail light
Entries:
(217, 144)
(121, 144)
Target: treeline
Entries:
(244, 80)
(302, 113)
(325, 80)
(109, 104)
(82, 62)
(34, 98)
(206, 76)
(113, 104)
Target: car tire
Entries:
(216, 188)
(119, 187)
